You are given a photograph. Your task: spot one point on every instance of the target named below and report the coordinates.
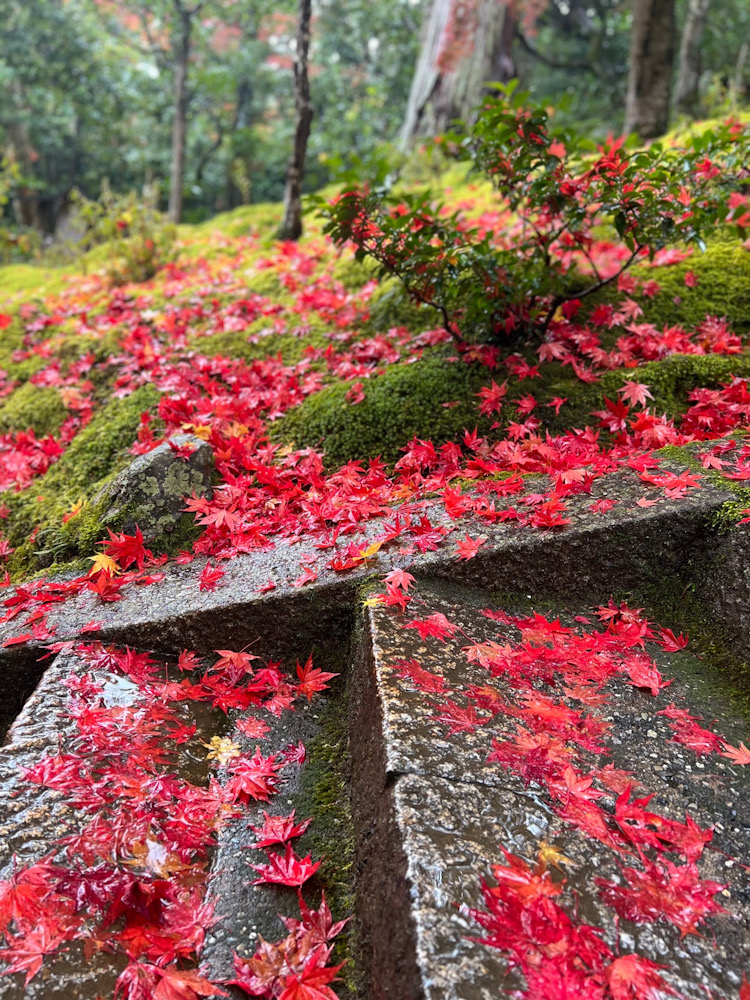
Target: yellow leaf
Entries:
(549, 855)
(372, 602)
(75, 509)
(202, 431)
(222, 750)
(101, 561)
(371, 550)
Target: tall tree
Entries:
(291, 226)
(652, 50)
(466, 44)
(689, 66)
(168, 27)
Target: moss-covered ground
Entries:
(427, 393)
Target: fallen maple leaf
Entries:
(177, 984)
(286, 869)
(631, 977)
(209, 578)
(468, 547)
(737, 755)
(278, 830)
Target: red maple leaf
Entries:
(127, 549)
(286, 869)
(737, 755)
(311, 679)
(25, 952)
(253, 777)
(177, 984)
(209, 578)
(631, 977)
(468, 547)
(663, 891)
(278, 830)
(436, 625)
(311, 983)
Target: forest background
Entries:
(194, 103)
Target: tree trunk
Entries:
(445, 88)
(291, 226)
(181, 101)
(26, 200)
(652, 46)
(689, 72)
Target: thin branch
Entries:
(552, 63)
(560, 299)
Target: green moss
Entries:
(407, 401)
(37, 407)
(93, 457)
(404, 402)
(671, 379)
(723, 287)
(266, 282)
(324, 794)
(709, 660)
(253, 344)
(353, 273)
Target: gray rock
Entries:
(152, 490)
(597, 554)
(430, 814)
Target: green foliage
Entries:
(139, 239)
(15, 242)
(551, 190)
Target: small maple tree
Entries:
(554, 187)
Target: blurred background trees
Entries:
(195, 98)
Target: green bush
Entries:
(139, 239)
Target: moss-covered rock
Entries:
(671, 379)
(150, 493)
(406, 401)
(91, 460)
(35, 407)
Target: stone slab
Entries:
(431, 814)
(596, 553)
(33, 818)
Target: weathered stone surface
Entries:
(243, 912)
(32, 819)
(431, 813)
(725, 585)
(152, 490)
(627, 546)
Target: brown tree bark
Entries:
(438, 95)
(291, 226)
(689, 71)
(652, 49)
(181, 55)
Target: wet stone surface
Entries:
(625, 547)
(451, 811)
(243, 911)
(33, 818)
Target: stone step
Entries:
(596, 553)
(432, 815)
